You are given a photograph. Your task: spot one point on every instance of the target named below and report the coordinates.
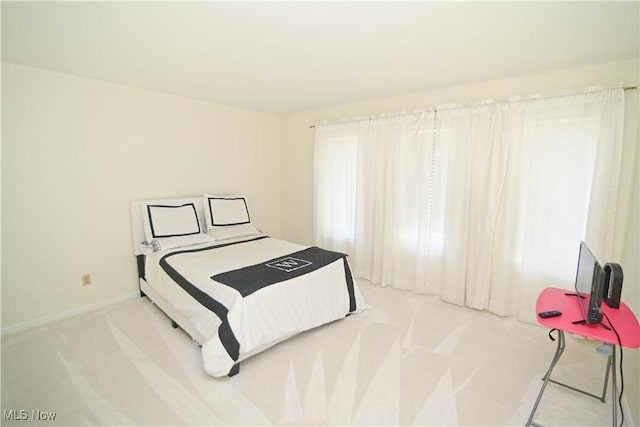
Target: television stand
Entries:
(622, 319)
(575, 295)
(584, 322)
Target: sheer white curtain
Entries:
(560, 188)
(335, 183)
(482, 205)
(391, 206)
(363, 206)
(470, 174)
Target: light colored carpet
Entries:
(408, 360)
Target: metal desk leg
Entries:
(606, 379)
(556, 357)
(614, 392)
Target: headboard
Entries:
(137, 226)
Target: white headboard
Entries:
(137, 226)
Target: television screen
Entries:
(589, 284)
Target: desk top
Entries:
(622, 318)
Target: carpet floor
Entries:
(407, 360)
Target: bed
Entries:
(235, 290)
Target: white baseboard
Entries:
(19, 327)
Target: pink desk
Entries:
(623, 319)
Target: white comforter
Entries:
(258, 320)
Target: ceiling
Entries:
(281, 57)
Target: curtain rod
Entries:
(454, 108)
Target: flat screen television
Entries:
(589, 281)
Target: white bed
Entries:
(242, 292)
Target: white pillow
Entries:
(233, 231)
(164, 220)
(227, 217)
(162, 244)
(223, 211)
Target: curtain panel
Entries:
(482, 205)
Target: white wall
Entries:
(76, 151)
(297, 164)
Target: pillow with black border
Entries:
(225, 211)
(167, 220)
(232, 222)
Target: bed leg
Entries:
(234, 370)
(174, 325)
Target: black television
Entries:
(589, 281)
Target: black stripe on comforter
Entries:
(228, 339)
(248, 280)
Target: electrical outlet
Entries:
(86, 279)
